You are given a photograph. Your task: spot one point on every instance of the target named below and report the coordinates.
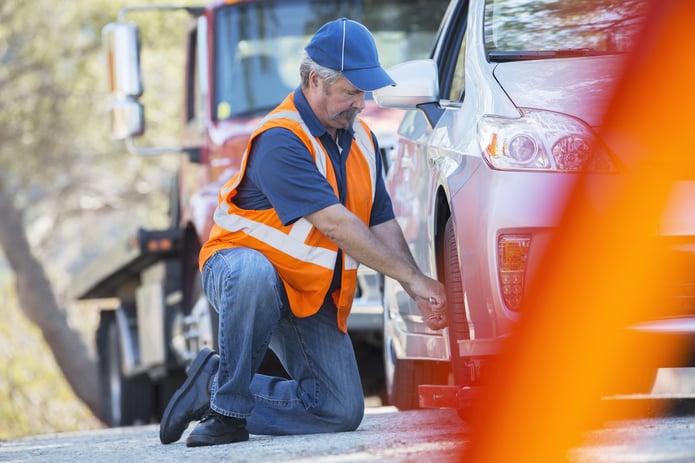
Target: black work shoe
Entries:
(215, 429)
(192, 399)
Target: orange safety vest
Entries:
(302, 255)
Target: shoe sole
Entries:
(242, 435)
(196, 366)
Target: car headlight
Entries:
(542, 140)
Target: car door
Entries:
(407, 183)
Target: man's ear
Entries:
(314, 80)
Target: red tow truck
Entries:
(242, 59)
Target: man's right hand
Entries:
(430, 297)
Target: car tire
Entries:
(456, 310)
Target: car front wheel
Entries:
(456, 310)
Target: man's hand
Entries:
(435, 317)
(430, 297)
(384, 249)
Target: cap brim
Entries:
(369, 79)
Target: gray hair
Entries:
(306, 65)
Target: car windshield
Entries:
(534, 29)
(258, 44)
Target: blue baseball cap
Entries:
(347, 46)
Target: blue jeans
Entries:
(325, 392)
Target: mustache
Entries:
(349, 114)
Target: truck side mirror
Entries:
(127, 118)
(121, 42)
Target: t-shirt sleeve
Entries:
(282, 167)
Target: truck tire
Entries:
(404, 376)
(403, 393)
(408, 375)
(124, 401)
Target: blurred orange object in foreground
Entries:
(604, 270)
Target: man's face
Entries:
(338, 104)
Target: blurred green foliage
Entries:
(78, 191)
(34, 396)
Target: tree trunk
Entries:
(38, 303)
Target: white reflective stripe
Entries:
(349, 262)
(277, 115)
(276, 239)
(321, 154)
(301, 229)
(364, 141)
(225, 191)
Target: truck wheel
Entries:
(408, 375)
(404, 376)
(456, 312)
(403, 392)
(124, 401)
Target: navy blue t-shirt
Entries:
(281, 174)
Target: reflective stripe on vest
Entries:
(278, 240)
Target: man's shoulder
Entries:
(277, 142)
(276, 131)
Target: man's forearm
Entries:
(367, 246)
(390, 234)
(384, 249)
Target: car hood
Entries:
(580, 87)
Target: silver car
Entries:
(500, 120)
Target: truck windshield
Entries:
(258, 44)
(536, 29)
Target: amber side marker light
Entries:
(512, 254)
(163, 244)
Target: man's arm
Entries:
(389, 233)
(367, 247)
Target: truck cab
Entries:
(242, 59)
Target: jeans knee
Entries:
(353, 418)
(348, 418)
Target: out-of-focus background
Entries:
(69, 194)
(34, 396)
(66, 190)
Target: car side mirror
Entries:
(417, 83)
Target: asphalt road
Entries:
(385, 435)
(659, 428)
